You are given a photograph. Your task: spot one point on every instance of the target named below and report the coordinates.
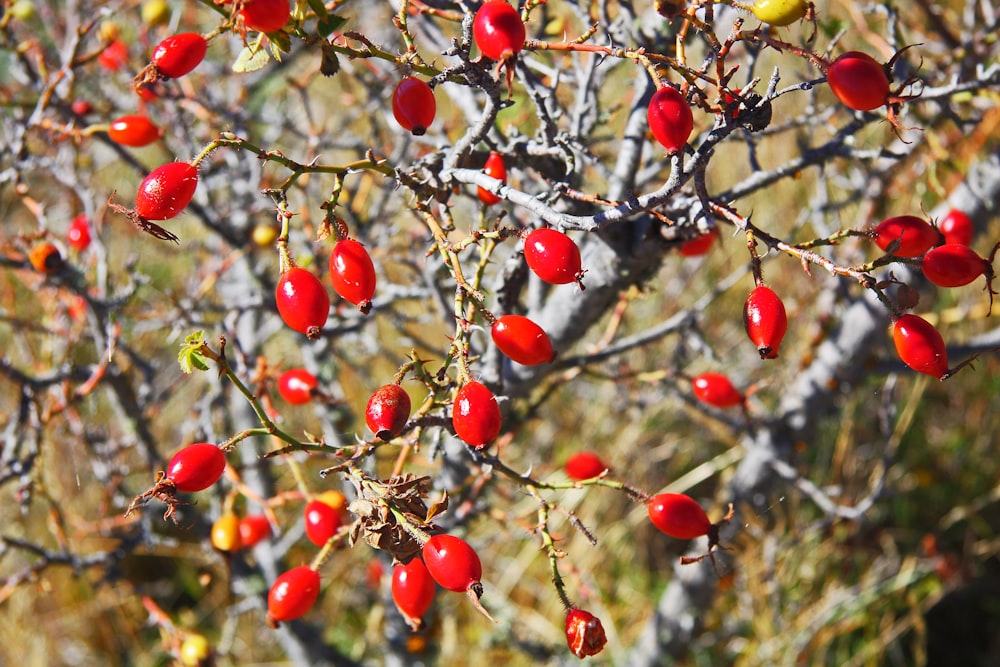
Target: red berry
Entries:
(916, 236)
(166, 191)
(670, 119)
(114, 56)
(584, 465)
(254, 528)
(297, 385)
(322, 521)
(699, 245)
(387, 411)
(584, 633)
(954, 265)
(179, 54)
(352, 273)
(134, 130)
(302, 301)
(498, 30)
(452, 563)
(678, 516)
(476, 415)
(81, 107)
(494, 167)
(859, 81)
(920, 345)
(196, 467)
(553, 256)
(765, 321)
(412, 588)
(413, 105)
(716, 389)
(293, 594)
(957, 227)
(265, 15)
(522, 340)
(78, 235)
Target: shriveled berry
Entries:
(297, 386)
(584, 633)
(670, 119)
(765, 321)
(166, 191)
(476, 415)
(859, 81)
(915, 235)
(678, 516)
(134, 130)
(452, 563)
(178, 54)
(293, 594)
(522, 340)
(352, 273)
(196, 467)
(553, 256)
(413, 105)
(496, 168)
(584, 465)
(716, 389)
(387, 411)
(412, 589)
(920, 345)
(498, 30)
(302, 301)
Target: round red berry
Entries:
(915, 235)
(498, 30)
(494, 167)
(920, 345)
(522, 340)
(670, 119)
(293, 594)
(302, 301)
(452, 563)
(699, 245)
(765, 321)
(412, 588)
(954, 265)
(114, 56)
(352, 273)
(413, 105)
(166, 191)
(78, 235)
(716, 389)
(178, 54)
(584, 633)
(196, 467)
(956, 226)
(134, 130)
(584, 465)
(678, 516)
(322, 521)
(254, 528)
(476, 415)
(859, 81)
(387, 411)
(553, 256)
(297, 386)
(265, 15)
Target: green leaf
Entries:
(251, 59)
(319, 8)
(329, 24)
(280, 40)
(190, 356)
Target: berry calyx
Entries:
(226, 533)
(678, 515)
(387, 411)
(553, 256)
(670, 119)
(585, 635)
(496, 168)
(293, 594)
(498, 30)
(716, 389)
(915, 235)
(413, 590)
(353, 274)
(322, 520)
(522, 340)
(297, 386)
(920, 345)
(765, 321)
(78, 235)
(584, 465)
(179, 54)
(302, 301)
(264, 15)
(476, 415)
(956, 226)
(134, 130)
(166, 191)
(859, 81)
(196, 467)
(254, 529)
(45, 257)
(413, 105)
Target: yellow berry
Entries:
(155, 12)
(264, 235)
(779, 12)
(108, 32)
(226, 533)
(334, 499)
(23, 10)
(194, 650)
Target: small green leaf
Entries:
(280, 41)
(328, 25)
(190, 356)
(251, 59)
(319, 8)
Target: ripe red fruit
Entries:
(452, 563)
(584, 465)
(254, 528)
(584, 633)
(322, 521)
(716, 389)
(494, 167)
(916, 235)
(765, 321)
(179, 54)
(196, 467)
(352, 273)
(957, 227)
(166, 191)
(954, 265)
(498, 30)
(553, 256)
(413, 105)
(293, 594)
(670, 119)
(920, 345)
(297, 385)
(700, 244)
(134, 130)
(45, 257)
(265, 15)
(412, 589)
(522, 340)
(81, 107)
(475, 415)
(114, 56)
(302, 301)
(859, 81)
(678, 516)
(78, 235)
(387, 411)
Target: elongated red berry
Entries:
(178, 54)
(413, 105)
(498, 30)
(196, 467)
(522, 340)
(915, 235)
(265, 15)
(585, 635)
(584, 465)
(496, 168)
(166, 191)
(920, 345)
(476, 415)
(452, 563)
(322, 521)
(765, 321)
(553, 256)
(670, 119)
(134, 130)
(78, 235)
(859, 81)
(957, 227)
(302, 301)
(387, 411)
(293, 594)
(678, 516)
(254, 528)
(352, 273)
(954, 265)
(716, 389)
(297, 386)
(413, 588)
